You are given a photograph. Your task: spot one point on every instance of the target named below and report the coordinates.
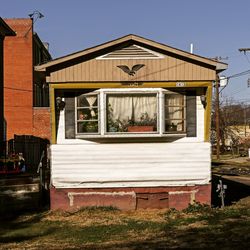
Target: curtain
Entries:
(174, 110)
(91, 100)
(144, 104)
(125, 108)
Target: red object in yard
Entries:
(140, 128)
(15, 171)
(9, 166)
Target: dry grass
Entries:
(97, 228)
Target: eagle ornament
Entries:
(131, 71)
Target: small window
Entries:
(174, 108)
(132, 113)
(87, 113)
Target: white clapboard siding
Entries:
(130, 164)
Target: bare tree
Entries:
(232, 115)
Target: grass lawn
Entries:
(107, 228)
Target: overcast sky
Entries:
(215, 27)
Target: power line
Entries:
(238, 91)
(247, 58)
(239, 74)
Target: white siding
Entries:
(130, 164)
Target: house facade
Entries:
(130, 126)
(26, 98)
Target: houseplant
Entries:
(115, 125)
(88, 125)
(145, 124)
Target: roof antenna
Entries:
(34, 16)
(191, 48)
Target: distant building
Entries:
(5, 31)
(239, 133)
(26, 96)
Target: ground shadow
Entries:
(22, 228)
(234, 192)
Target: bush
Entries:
(197, 208)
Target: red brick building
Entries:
(5, 30)
(26, 102)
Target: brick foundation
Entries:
(130, 198)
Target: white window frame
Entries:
(102, 115)
(99, 119)
(132, 91)
(166, 92)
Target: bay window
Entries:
(130, 113)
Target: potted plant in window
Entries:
(115, 125)
(145, 124)
(91, 127)
(112, 124)
(88, 125)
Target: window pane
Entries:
(87, 100)
(174, 125)
(131, 113)
(87, 113)
(174, 100)
(87, 127)
(174, 113)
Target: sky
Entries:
(216, 28)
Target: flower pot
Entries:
(140, 128)
(112, 129)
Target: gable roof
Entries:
(129, 40)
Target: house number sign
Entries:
(132, 84)
(180, 84)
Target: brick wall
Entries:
(130, 198)
(18, 89)
(18, 74)
(41, 122)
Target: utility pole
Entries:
(244, 50)
(217, 108)
(245, 120)
(217, 117)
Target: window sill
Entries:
(132, 137)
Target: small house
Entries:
(130, 126)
